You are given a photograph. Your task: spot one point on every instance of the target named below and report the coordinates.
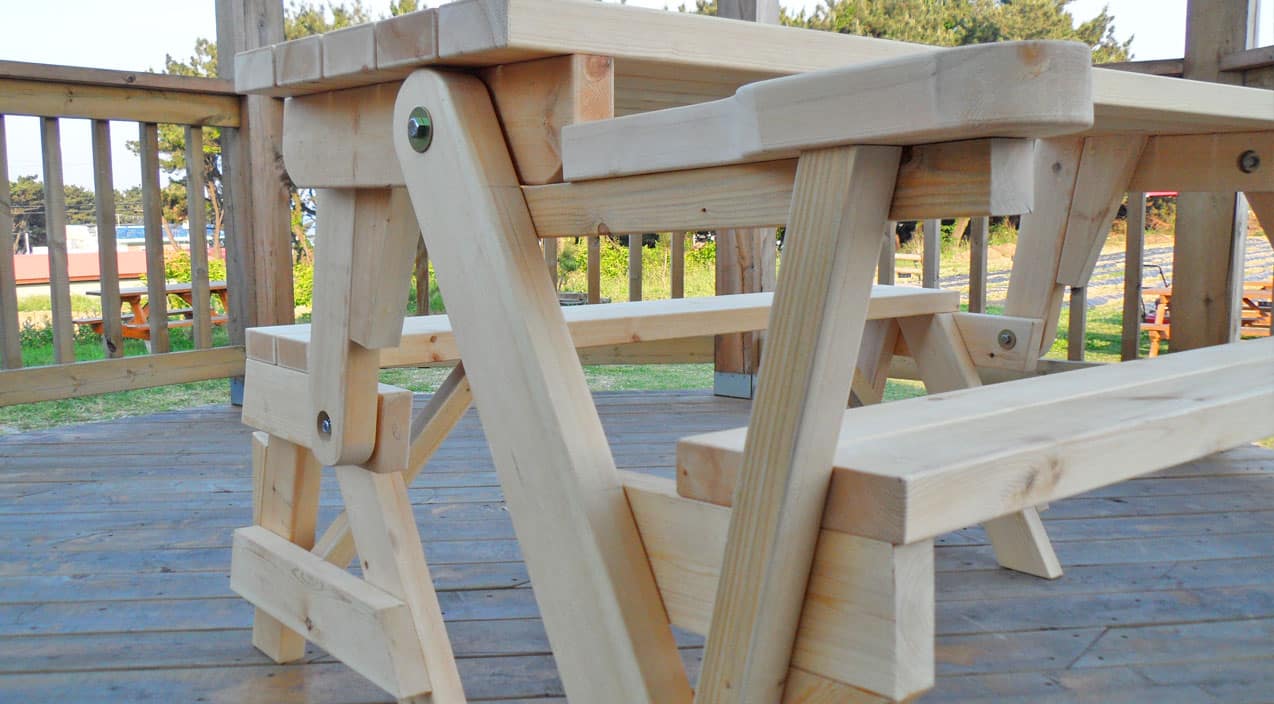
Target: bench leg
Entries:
(1019, 539)
(285, 496)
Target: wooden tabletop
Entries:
(213, 286)
(667, 59)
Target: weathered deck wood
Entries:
(114, 567)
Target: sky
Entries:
(137, 34)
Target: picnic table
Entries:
(515, 120)
(136, 325)
(1254, 313)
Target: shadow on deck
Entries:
(115, 551)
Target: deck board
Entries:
(114, 559)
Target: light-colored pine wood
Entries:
(55, 233)
(383, 258)
(152, 218)
(871, 373)
(254, 70)
(197, 220)
(10, 343)
(600, 605)
(392, 558)
(1134, 255)
(1057, 435)
(868, 614)
(931, 261)
(108, 267)
(978, 235)
(114, 102)
(299, 62)
(839, 208)
(536, 99)
(1077, 324)
(367, 628)
(595, 269)
(885, 273)
(406, 40)
(981, 336)
(634, 266)
(393, 431)
(342, 379)
(990, 90)
(1105, 167)
(47, 383)
(1203, 162)
(342, 139)
(1262, 205)
(677, 255)
(350, 50)
(284, 502)
(1022, 544)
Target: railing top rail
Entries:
(81, 75)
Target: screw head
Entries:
(420, 129)
(324, 425)
(1249, 161)
(1007, 339)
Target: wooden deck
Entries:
(114, 560)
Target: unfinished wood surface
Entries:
(349, 50)
(342, 139)
(978, 234)
(851, 628)
(536, 99)
(55, 232)
(103, 376)
(10, 343)
(1134, 256)
(285, 499)
(989, 348)
(932, 254)
(1061, 435)
(839, 208)
(1204, 162)
(391, 450)
(392, 558)
(383, 258)
(976, 177)
(595, 269)
(407, 40)
(1262, 205)
(342, 383)
(369, 629)
(107, 261)
(421, 277)
(432, 338)
(677, 255)
(634, 266)
(115, 102)
(197, 218)
(1077, 324)
(152, 218)
(600, 604)
(1003, 93)
(1105, 168)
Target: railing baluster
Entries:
(550, 257)
(10, 342)
(422, 278)
(152, 214)
(978, 231)
(929, 270)
(108, 261)
(677, 250)
(55, 231)
(1077, 327)
(594, 269)
(888, 253)
(200, 297)
(1134, 253)
(634, 267)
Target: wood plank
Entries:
(931, 260)
(349, 51)
(1203, 162)
(846, 621)
(152, 218)
(1262, 205)
(108, 267)
(978, 236)
(382, 264)
(407, 40)
(197, 218)
(36, 384)
(10, 343)
(577, 533)
(55, 231)
(755, 124)
(339, 139)
(595, 269)
(369, 629)
(145, 80)
(1134, 437)
(536, 99)
(392, 558)
(677, 255)
(1077, 324)
(422, 278)
(1105, 167)
(1134, 256)
(634, 266)
(839, 208)
(102, 102)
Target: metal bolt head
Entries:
(420, 129)
(324, 425)
(1249, 161)
(1007, 339)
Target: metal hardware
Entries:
(1249, 161)
(1007, 339)
(324, 425)
(420, 129)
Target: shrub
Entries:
(303, 284)
(177, 267)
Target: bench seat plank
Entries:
(429, 339)
(915, 469)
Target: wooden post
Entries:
(932, 263)
(634, 267)
(1208, 252)
(152, 217)
(742, 257)
(10, 344)
(259, 239)
(888, 247)
(422, 278)
(55, 231)
(550, 257)
(199, 296)
(108, 263)
(594, 269)
(1134, 255)
(978, 232)
(677, 252)
(1077, 325)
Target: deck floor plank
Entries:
(114, 586)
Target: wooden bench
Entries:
(909, 471)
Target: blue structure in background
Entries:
(136, 234)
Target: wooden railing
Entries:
(51, 93)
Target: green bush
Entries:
(303, 284)
(177, 268)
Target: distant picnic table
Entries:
(1255, 304)
(137, 325)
